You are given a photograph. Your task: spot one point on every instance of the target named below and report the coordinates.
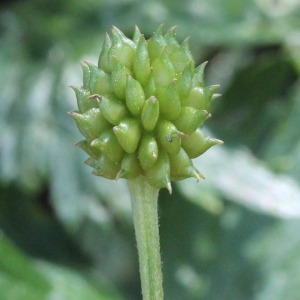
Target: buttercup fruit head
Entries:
(141, 109)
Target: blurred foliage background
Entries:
(67, 235)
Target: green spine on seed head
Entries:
(159, 174)
(91, 162)
(181, 57)
(136, 35)
(86, 76)
(106, 168)
(108, 144)
(197, 99)
(91, 123)
(119, 78)
(128, 133)
(112, 108)
(130, 167)
(171, 41)
(141, 109)
(163, 71)
(150, 113)
(100, 82)
(169, 101)
(182, 167)
(141, 63)
(81, 96)
(209, 91)
(198, 143)
(156, 44)
(168, 136)
(190, 119)
(126, 41)
(198, 78)
(135, 97)
(103, 62)
(148, 151)
(184, 82)
(86, 147)
(150, 88)
(122, 48)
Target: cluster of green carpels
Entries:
(142, 108)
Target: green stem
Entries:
(144, 205)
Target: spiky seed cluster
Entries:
(142, 108)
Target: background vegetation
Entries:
(67, 235)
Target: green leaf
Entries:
(19, 279)
(240, 177)
(25, 279)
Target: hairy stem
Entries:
(144, 205)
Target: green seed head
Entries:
(142, 108)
